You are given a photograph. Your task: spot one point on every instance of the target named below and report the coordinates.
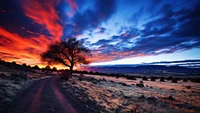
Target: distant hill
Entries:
(143, 69)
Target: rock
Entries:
(142, 97)
(118, 110)
(113, 96)
(94, 81)
(152, 98)
(140, 85)
(112, 81)
(123, 84)
(104, 79)
(127, 97)
(170, 98)
(86, 106)
(185, 105)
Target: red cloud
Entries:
(22, 49)
(44, 13)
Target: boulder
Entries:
(94, 81)
(185, 105)
(142, 97)
(152, 98)
(170, 98)
(140, 85)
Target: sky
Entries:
(116, 31)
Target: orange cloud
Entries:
(27, 50)
(44, 13)
(22, 49)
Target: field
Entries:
(108, 93)
(103, 94)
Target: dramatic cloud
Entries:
(112, 29)
(20, 49)
(90, 19)
(173, 30)
(44, 13)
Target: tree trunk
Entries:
(71, 69)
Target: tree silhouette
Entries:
(68, 53)
(35, 67)
(24, 65)
(47, 67)
(54, 69)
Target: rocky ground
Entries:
(111, 95)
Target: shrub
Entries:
(65, 78)
(153, 78)
(140, 84)
(169, 78)
(3, 76)
(174, 80)
(91, 72)
(96, 73)
(17, 77)
(162, 79)
(188, 87)
(138, 76)
(197, 80)
(144, 78)
(81, 74)
(185, 80)
(131, 77)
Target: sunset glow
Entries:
(116, 31)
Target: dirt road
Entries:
(45, 96)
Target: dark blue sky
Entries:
(117, 31)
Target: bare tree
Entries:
(68, 53)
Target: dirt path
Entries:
(45, 96)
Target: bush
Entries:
(65, 75)
(131, 77)
(144, 78)
(18, 77)
(188, 87)
(162, 79)
(3, 76)
(153, 78)
(91, 72)
(15, 77)
(138, 76)
(185, 80)
(197, 80)
(169, 78)
(174, 80)
(140, 84)
(96, 73)
(65, 78)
